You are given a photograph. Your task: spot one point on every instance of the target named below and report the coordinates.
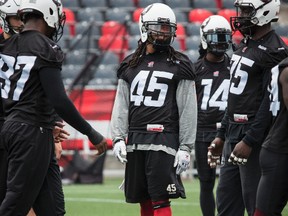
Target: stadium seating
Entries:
(285, 39)
(136, 14)
(113, 27)
(227, 13)
(198, 15)
(122, 15)
(70, 20)
(207, 4)
(179, 4)
(90, 14)
(181, 16)
(193, 29)
(116, 44)
(192, 42)
(144, 3)
(181, 36)
(128, 4)
(228, 4)
(100, 4)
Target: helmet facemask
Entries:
(161, 34)
(59, 29)
(244, 21)
(218, 41)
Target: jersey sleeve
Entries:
(187, 106)
(48, 53)
(187, 68)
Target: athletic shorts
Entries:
(151, 175)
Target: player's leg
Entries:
(135, 187)
(3, 169)
(3, 172)
(163, 183)
(229, 199)
(146, 208)
(50, 200)
(250, 175)
(206, 177)
(272, 193)
(28, 163)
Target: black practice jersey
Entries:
(2, 39)
(153, 85)
(212, 86)
(22, 57)
(250, 72)
(277, 139)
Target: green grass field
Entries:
(107, 200)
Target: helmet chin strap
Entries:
(159, 45)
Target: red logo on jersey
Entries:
(244, 49)
(216, 73)
(151, 64)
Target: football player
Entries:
(212, 84)
(154, 115)
(32, 90)
(272, 193)
(10, 24)
(247, 120)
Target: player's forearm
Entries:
(62, 104)
(187, 108)
(120, 112)
(261, 125)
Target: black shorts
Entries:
(151, 175)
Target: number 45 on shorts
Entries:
(171, 188)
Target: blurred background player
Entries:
(212, 85)
(155, 109)
(34, 62)
(272, 193)
(10, 24)
(247, 120)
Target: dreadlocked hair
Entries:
(140, 51)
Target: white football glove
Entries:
(182, 161)
(119, 150)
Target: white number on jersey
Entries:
(238, 61)
(24, 65)
(221, 93)
(274, 91)
(138, 87)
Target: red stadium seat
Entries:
(227, 13)
(181, 36)
(237, 37)
(198, 15)
(112, 28)
(70, 20)
(285, 39)
(118, 45)
(136, 14)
